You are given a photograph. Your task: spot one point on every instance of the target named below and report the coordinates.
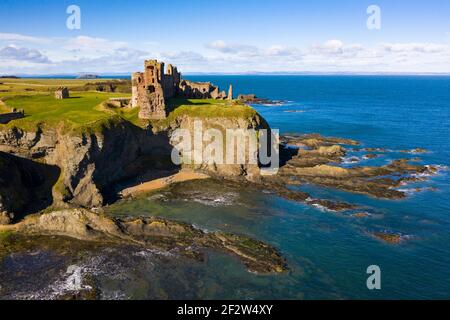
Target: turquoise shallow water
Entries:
(329, 253)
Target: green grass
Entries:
(82, 109)
(10, 87)
(89, 110)
(4, 235)
(206, 108)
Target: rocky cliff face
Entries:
(25, 186)
(209, 165)
(89, 164)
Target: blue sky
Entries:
(225, 36)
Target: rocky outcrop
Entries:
(318, 163)
(252, 99)
(92, 161)
(25, 186)
(247, 169)
(154, 233)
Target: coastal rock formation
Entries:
(223, 169)
(25, 186)
(389, 238)
(90, 163)
(318, 164)
(252, 99)
(153, 233)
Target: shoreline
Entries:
(161, 183)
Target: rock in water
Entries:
(155, 233)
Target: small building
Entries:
(62, 93)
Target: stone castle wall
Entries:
(151, 88)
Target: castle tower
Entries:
(148, 91)
(154, 72)
(151, 89)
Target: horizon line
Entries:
(249, 73)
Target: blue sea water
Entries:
(328, 253)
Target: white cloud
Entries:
(15, 38)
(93, 54)
(416, 47)
(12, 52)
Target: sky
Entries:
(232, 36)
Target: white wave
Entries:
(409, 192)
(350, 160)
(320, 207)
(149, 253)
(114, 295)
(227, 199)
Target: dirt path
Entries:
(162, 183)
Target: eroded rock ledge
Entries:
(155, 233)
(318, 161)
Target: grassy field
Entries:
(207, 108)
(9, 86)
(81, 109)
(86, 110)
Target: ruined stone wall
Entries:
(62, 93)
(198, 90)
(151, 88)
(171, 82)
(150, 91)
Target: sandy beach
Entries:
(162, 183)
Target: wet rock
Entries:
(374, 181)
(252, 99)
(331, 205)
(315, 141)
(320, 156)
(415, 151)
(154, 233)
(371, 156)
(360, 215)
(389, 238)
(381, 150)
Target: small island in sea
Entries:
(87, 76)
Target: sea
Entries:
(328, 253)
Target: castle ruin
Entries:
(152, 88)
